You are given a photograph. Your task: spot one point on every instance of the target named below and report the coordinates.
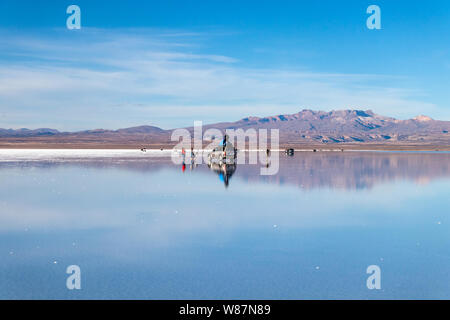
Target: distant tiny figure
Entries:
(193, 164)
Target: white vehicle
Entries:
(223, 154)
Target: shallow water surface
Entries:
(148, 229)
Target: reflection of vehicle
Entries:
(225, 171)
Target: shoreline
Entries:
(10, 155)
(282, 147)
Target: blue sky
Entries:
(168, 63)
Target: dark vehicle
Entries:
(289, 152)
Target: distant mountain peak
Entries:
(422, 118)
(141, 129)
(307, 114)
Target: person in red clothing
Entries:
(183, 154)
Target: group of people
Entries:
(183, 155)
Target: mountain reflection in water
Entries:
(307, 170)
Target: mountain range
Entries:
(302, 128)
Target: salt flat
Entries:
(65, 154)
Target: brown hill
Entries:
(307, 127)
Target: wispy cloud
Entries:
(100, 78)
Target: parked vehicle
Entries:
(221, 155)
(224, 154)
(289, 152)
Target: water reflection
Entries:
(225, 171)
(353, 170)
(306, 170)
(142, 229)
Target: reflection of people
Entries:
(183, 155)
(225, 171)
(228, 171)
(226, 176)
